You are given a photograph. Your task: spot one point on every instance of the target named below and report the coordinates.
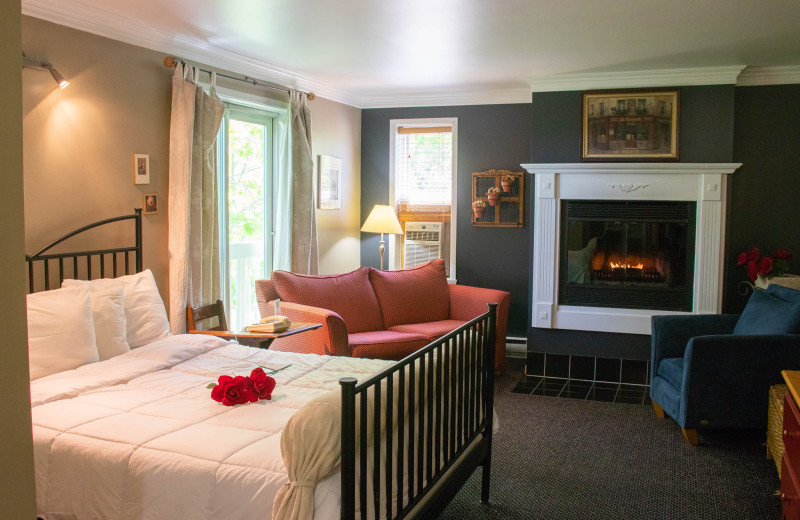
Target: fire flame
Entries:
(617, 265)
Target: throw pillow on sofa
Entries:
(415, 295)
(349, 295)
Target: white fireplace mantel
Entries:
(704, 183)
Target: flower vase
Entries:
(506, 186)
(761, 282)
(493, 198)
(479, 212)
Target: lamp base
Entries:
(382, 248)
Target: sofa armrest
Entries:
(671, 334)
(726, 378)
(329, 339)
(468, 302)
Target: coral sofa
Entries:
(378, 314)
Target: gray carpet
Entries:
(565, 459)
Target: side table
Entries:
(258, 339)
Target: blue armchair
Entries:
(714, 371)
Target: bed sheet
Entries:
(138, 436)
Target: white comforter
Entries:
(138, 436)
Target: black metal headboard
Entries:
(101, 255)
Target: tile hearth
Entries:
(587, 378)
(584, 390)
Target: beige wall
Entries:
(17, 492)
(336, 131)
(79, 143)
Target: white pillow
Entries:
(145, 316)
(108, 314)
(60, 331)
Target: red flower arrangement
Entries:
(766, 266)
(243, 389)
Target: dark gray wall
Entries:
(705, 135)
(489, 136)
(765, 191)
(705, 127)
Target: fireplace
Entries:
(627, 254)
(616, 243)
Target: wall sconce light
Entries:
(33, 64)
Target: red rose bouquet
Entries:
(243, 389)
(763, 267)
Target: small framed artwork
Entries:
(141, 169)
(150, 203)
(630, 125)
(330, 176)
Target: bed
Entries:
(133, 433)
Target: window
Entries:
(246, 184)
(424, 165)
(422, 187)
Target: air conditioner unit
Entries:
(422, 242)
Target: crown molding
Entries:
(752, 76)
(128, 30)
(446, 98)
(636, 79)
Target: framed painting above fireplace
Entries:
(629, 125)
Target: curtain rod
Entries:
(171, 61)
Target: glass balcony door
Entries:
(246, 209)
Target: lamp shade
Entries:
(382, 219)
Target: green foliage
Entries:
(245, 181)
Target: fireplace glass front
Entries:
(630, 255)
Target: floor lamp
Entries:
(382, 219)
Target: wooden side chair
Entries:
(195, 315)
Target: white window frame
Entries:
(261, 108)
(394, 240)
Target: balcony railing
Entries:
(246, 260)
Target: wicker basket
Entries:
(775, 425)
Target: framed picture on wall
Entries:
(329, 178)
(629, 125)
(150, 203)
(141, 169)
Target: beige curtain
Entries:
(194, 266)
(305, 249)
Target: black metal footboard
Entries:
(414, 433)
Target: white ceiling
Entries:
(370, 53)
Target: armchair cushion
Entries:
(415, 295)
(783, 293)
(349, 295)
(671, 369)
(765, 314)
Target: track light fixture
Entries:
(33, 64)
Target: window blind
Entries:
(424, 168)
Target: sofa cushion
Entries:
(349, 295)
(385, 344)
(765, 314)
(671, 369)
(431, 330)
(415, 295)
